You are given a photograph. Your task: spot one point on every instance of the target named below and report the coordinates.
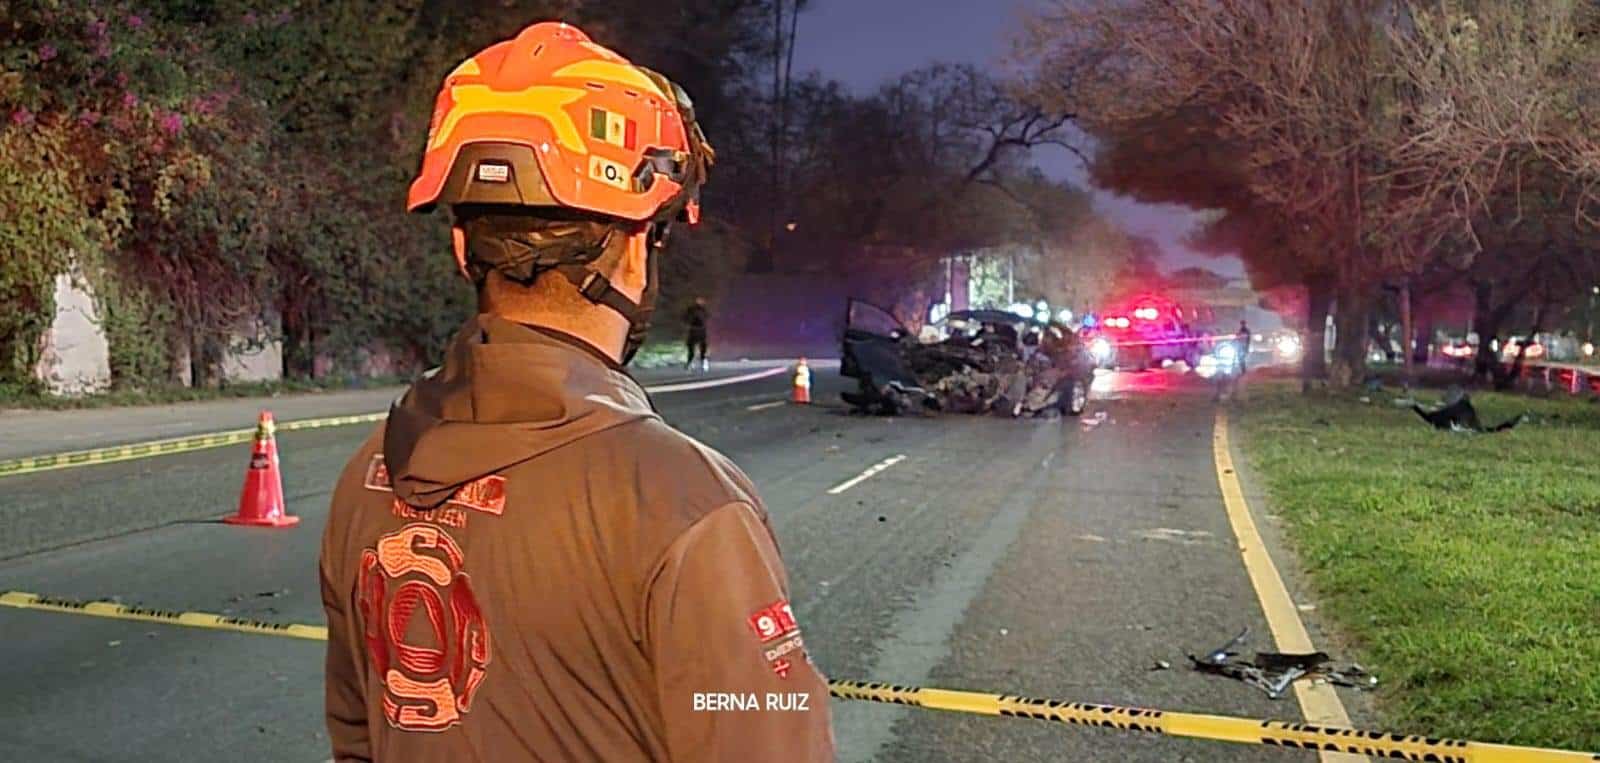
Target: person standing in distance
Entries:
(1242, 339)
(695, 320)
(524, 562)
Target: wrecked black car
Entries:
(982, 361)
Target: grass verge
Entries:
(659, 353)
(1465, 567)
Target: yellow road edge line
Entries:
(1286, 734)
(1318, 702)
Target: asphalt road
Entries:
(1042, 558)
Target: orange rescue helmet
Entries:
(551, 119)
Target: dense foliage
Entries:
(234, 170)
(1353, 147)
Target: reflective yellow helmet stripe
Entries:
(543, 101)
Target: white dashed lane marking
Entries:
(866, 475)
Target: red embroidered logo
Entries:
(774, 621)
(425, 634)
(485, 494)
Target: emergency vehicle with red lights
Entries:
(1143, 331)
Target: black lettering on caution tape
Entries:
(159, 614)
(50, 601)
(1370, 743)
(256, 624)
(1085, 714)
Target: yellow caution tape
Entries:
(1220, 728)
(114, 453)
(22, 600)
(170, 446)
(1299, 736)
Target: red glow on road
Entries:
(1121, 384)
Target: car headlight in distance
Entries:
(1288, 346)
(1227, 351)
(1100, 349)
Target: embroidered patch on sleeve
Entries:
(377, 475)
(773, 621)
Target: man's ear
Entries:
(633, 267)
(458, 240)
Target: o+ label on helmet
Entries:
(614, 174)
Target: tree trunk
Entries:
(204, 355)
(1313, 357)
(1423, 332)
(1350, 321)
(1408, 329)
(1487, 325)
(298, 352)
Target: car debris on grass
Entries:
(1456, 414)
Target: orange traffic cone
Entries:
(261, 502)
(802, 382)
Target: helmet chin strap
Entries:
(597, 288)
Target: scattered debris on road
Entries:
(1274, 672)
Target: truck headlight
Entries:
(1100, 349)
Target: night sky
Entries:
(862, 43)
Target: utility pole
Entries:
(1011, 279)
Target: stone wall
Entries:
(254, 354)
(74, 359)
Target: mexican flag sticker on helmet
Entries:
(613, 128)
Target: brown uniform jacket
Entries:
(527, 564)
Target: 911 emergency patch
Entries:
(772, 623)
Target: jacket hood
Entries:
(505, 393)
